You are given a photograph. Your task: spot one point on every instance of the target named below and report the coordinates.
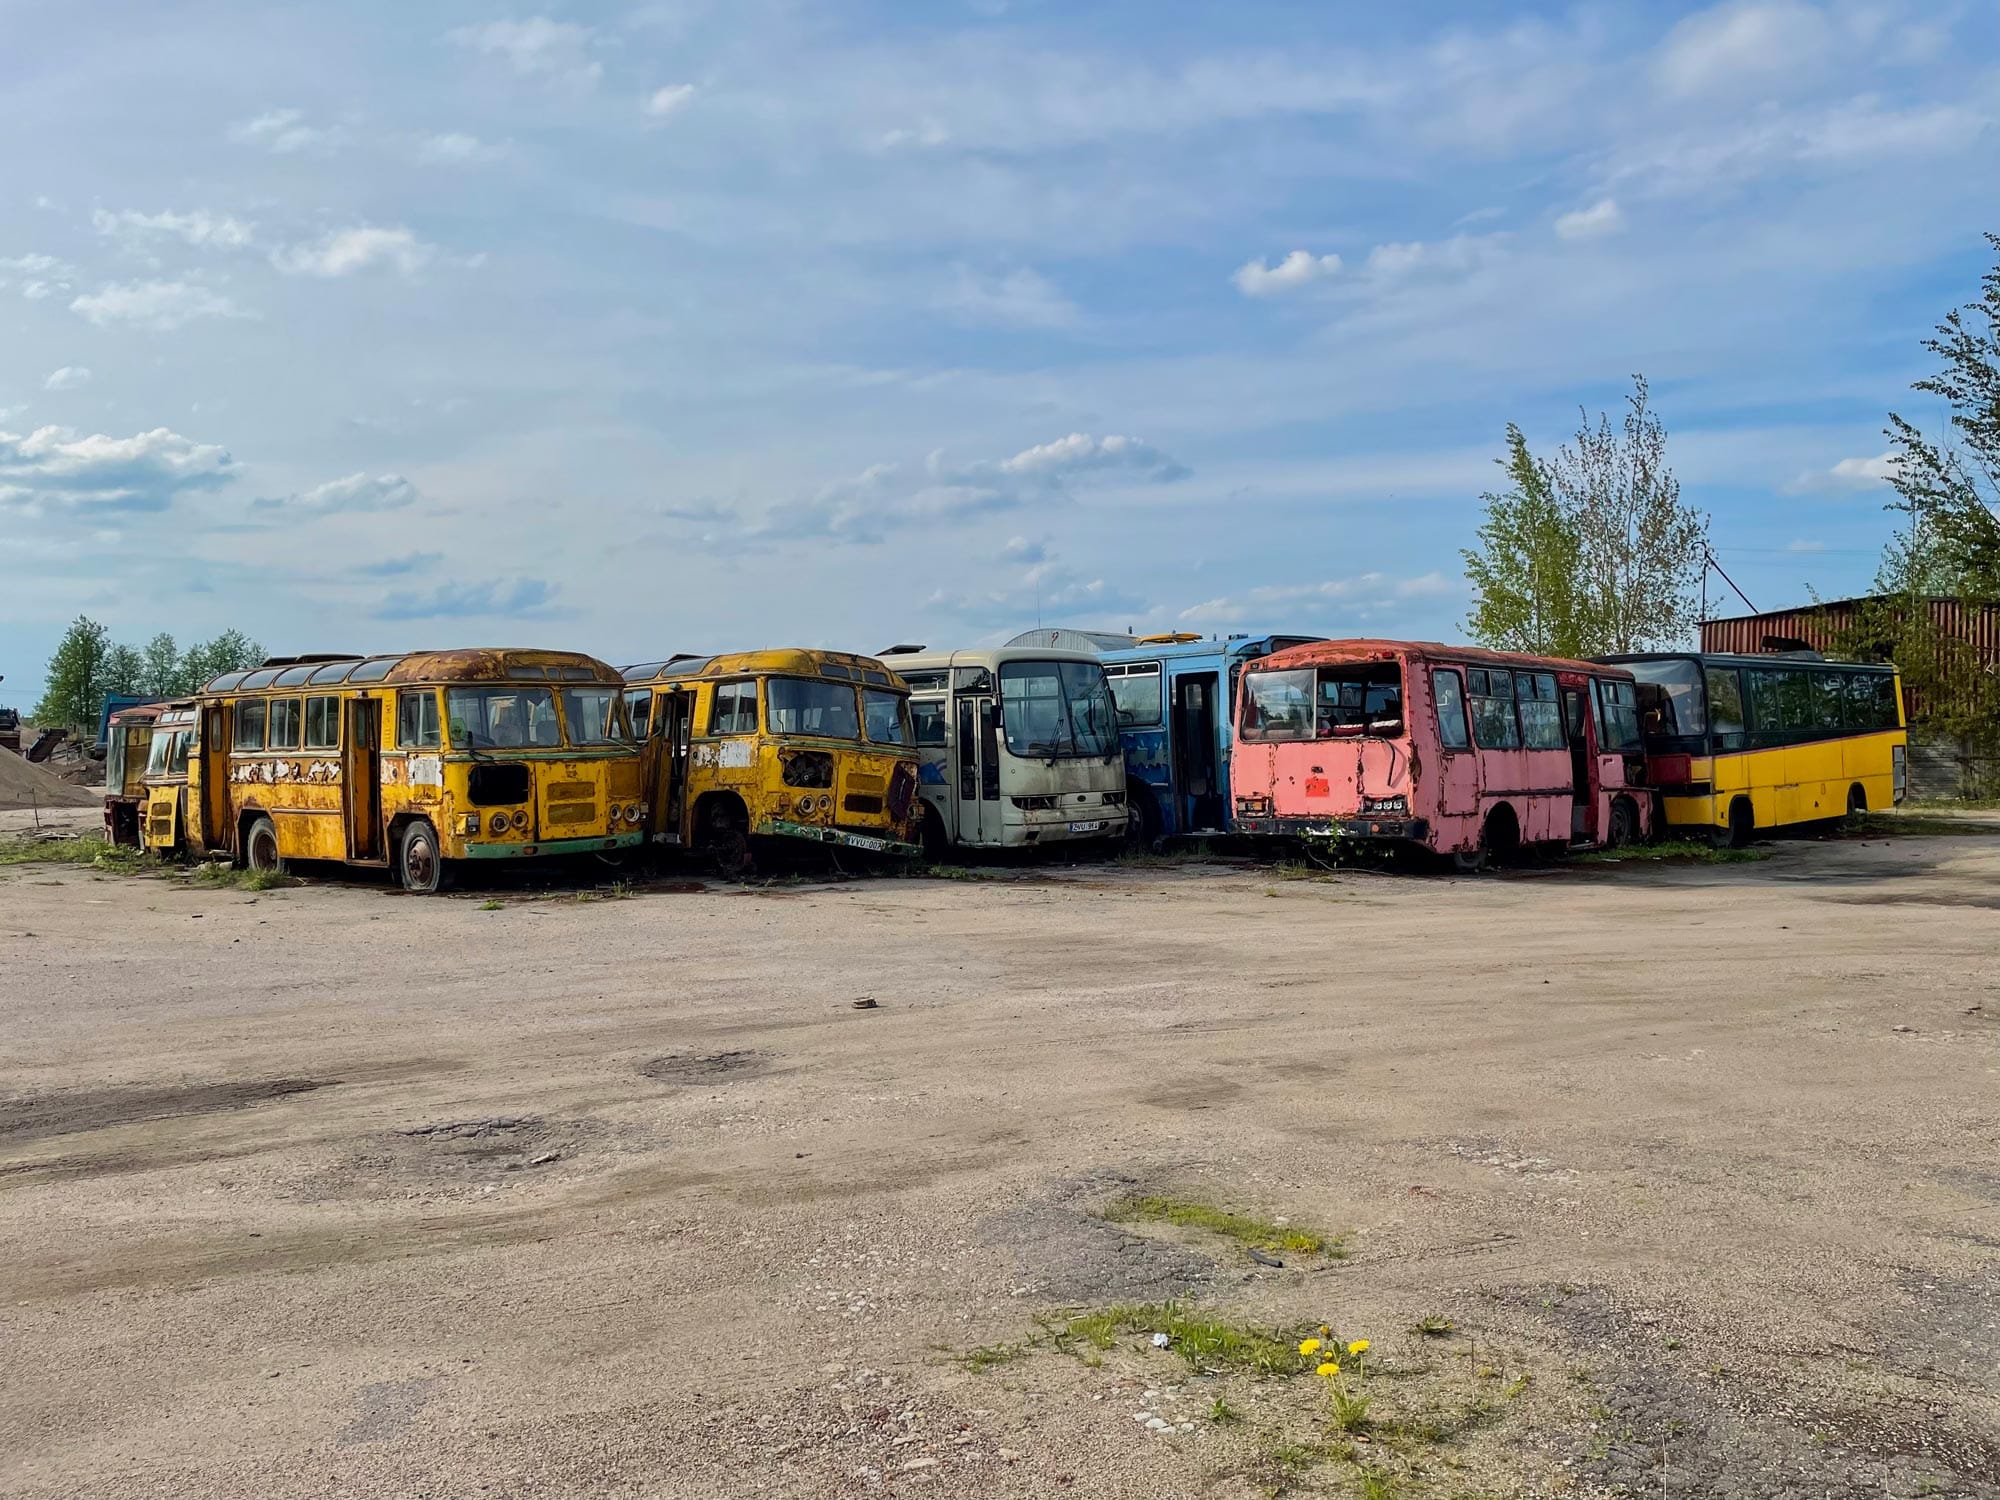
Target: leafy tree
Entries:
(1948, 545)
(161, 676)
(77, 675)
(205, 660)
(1526, 570)
(1591, 552)
(123, 670)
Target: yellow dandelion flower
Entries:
(1328, 1368)
(1309, 1346)
(1359, 1346)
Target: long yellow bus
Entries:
(412, 762)
(789, 744)
(1738, 745)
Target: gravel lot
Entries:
(330, 1191)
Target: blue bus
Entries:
(1176, 697)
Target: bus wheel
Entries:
(1469, 861)
(1742, 823)
(726, 835)
(260, 848)
(1142, 821)
(930, 831)
(1857, 806)
(1624, 825)
(418, 862)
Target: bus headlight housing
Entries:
(520, 819)
(634, 812)
(497, 824)
(1385, 804)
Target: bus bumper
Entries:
(554, 846)
(1412, 830)
(819, 834)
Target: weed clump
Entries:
(1263, 1234)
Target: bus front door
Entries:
(212, 804)
(672, 729)
(361, 779)
(978, 788)
(1200, 801)
(1582, 767)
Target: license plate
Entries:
(857, 841)
(1096, 827)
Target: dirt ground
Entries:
(1670, 1180)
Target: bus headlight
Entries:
(1385, 804)
(520, 819)
(634, 812)
(497, 824)
(470, 823)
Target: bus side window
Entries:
(249, 725)
(1725, 707)
(417, 721)
(1888, 711)
(1493, 724)
(927, 716)
(735, 709)
(1449, 691)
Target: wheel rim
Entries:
(419, 862)
(263, 849)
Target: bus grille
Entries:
(568, 814)
(856, 804)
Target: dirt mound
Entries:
(23, 786)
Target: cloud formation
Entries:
(1300, 268)
(159, 306)
(200, 229)
(1600, 219)
(351, 493)
(55, 468)
(553, 51)
(508, 599)
(669, 100)
(68, 378)
(342, 252)
(282, 132)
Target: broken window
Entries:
(1541, 713)
(639, 711)
(1278, 705)
(1491, 694)
(1359, 698)
(802, 706)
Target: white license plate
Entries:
(1096, 827)
(856, 841)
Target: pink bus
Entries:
(1468, 753)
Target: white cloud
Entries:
(1865, 473)
(454, 149)
(345, 251)
(351, 493)
(32, 265)
(1743, 40)
(282, 132)
(200, 228)
(669, 100)
(1080, 453)
(556, 51)
(1601, 218)
(1021, 298)
(159, 305)
(53, 467)
(68, 378)
(1460, 253)
(1300, 268)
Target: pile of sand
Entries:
(24, 786)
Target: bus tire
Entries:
(1624, 824)
(1742, 824)
(1469, 861)
(419, 861)
(1142, 819)
(260, 847)
(930, 833)
(1857, 805)
(725, 835)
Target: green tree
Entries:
(1591, 552)
(203, 661)
(74, 696)
(124, 669)
(1525, 571)
(161, 675)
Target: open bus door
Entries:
(978, 787)
(1195, 744)
(207, 822)
(361, 780)
(667, 772)
(1584, 783)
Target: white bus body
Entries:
(1017, 747)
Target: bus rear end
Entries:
(1324, 748)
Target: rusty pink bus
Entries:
(1468, 753)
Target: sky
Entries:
(685, 326)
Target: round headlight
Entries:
(634, 813)
(521, 818)
(497, 824)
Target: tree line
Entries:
(88, 666)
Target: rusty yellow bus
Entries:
(128, 745)
(413, 762)
(782, 744)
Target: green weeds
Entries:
(89, 851)
(1673, 851)
(1264, 1234)
(992, 1356)
(1208, 1345)
(227, 877)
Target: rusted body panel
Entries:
(1397, 776)
(345, 756)
(779, 743)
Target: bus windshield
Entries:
(1362, 698)
(1057, 710)
(502, 718)
(594, 715)
(801, 705)
(1279, 705)
(888, 717)
(1671, 696)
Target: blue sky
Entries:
(684, 325)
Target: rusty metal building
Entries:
(1940, 766)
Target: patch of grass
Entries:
(1347, 1411)
(1951, 804)
(1379, 1484)
(1208, 1345)
(88, 850)
(1173, 854)
(947, 872)
(1295, 869)
(1245, 1230)
(991, 1356)
(1222, 1414)
(228, 877)
(492, 903)
(1877, 825)
(1673, 851)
